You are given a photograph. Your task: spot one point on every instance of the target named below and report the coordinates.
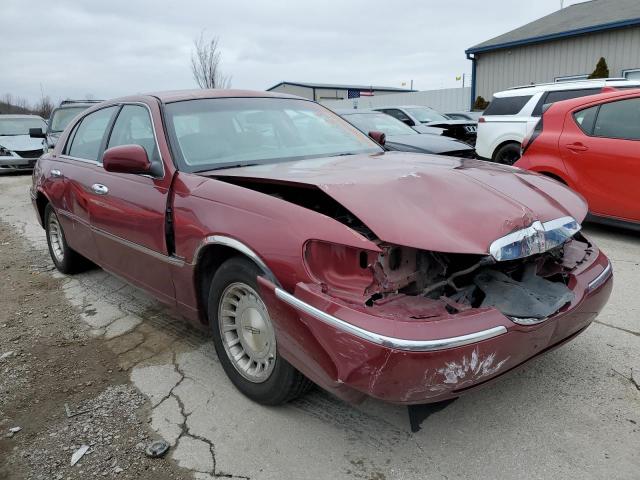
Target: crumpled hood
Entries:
(20, 143)
(429, 202)
(450, 123)
(429, 143)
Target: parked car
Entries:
(425, 120)
(400, 137)
(60, 118)
(17, 150)
(592, 145)
(311, 254)
(513, 114)
(472, 116)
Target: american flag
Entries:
(356, 93)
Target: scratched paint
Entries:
(474, 367)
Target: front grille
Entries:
(30, 153)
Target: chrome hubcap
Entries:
(247, 333)
(55, 238)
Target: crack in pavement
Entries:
(637, 334)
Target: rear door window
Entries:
(619, 119)
(560, 95)
(399, 114)
(89, 135)
(507, 105)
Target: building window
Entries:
(571, 78)
(633, 74)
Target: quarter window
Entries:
(586, 119)
(619, 119)
(507, 105)
(133, 127)
(88, 137)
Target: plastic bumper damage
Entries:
(385, 353)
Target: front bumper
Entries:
(16, 163)
(409, 361)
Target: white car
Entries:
(427, 120)
(514, 113)
(18, 151)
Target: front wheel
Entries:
(507, 154)
(244, 337)
(64, 258)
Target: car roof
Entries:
(181, 95)
(403, 106)
(574, 85)
(353, 111)
(565, 105)
(16, 115)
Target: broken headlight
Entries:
(537, 238)
(339, 268)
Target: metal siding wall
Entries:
(449, 99)
(544, 62)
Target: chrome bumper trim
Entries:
(389, 342)
(600, 279)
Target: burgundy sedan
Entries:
(313, 255)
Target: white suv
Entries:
(514, 113)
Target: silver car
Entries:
(18, 151)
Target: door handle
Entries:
(577, 147)
(99, 189)
(56, 173)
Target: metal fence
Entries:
(445, 100)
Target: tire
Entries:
(242, 328)
(507, 154)
(64, 258)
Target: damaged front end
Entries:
(526, 282)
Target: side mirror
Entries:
(378, 137)
(37, 133)
(409, 122)
(126, 159)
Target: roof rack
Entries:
(67, 102)
(585, 80)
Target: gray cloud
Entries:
(108, 49)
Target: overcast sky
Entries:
(111, 48)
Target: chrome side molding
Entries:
(600, 279)
(389, 342)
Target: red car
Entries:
(592, 144)
(311, 254)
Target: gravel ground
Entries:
(49, 359)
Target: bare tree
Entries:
(44, 107)
(205, 64)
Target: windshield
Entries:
(225, 132)
(379, 122)
(20, 126)
(60, 118)
(426, 115)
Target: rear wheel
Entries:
(244, 337)
(507, 154)
(64, 258)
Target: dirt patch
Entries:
(49, 359)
